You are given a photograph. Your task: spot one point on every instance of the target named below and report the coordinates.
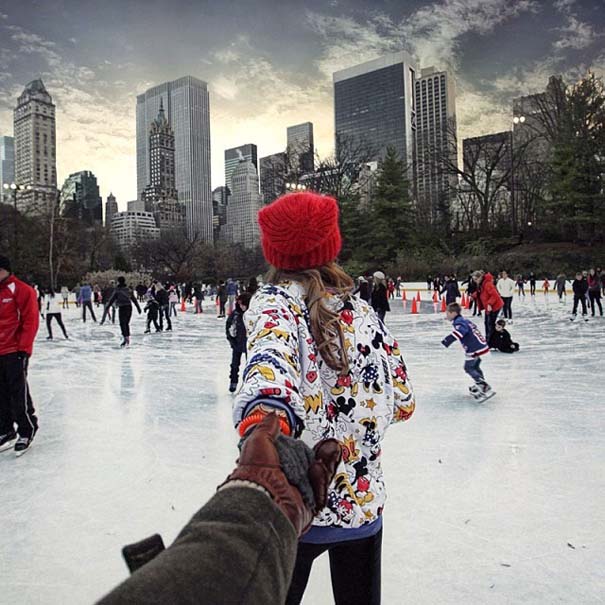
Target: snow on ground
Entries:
(494, 503)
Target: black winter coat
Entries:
(580, 287)
(162, 297)
(451, 291)
(235, 330)
(380, 300)
(123, 297)
(503, 342)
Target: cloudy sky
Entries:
(270, 64)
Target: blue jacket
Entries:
(470, 338)
(231, 288)
(85, 294)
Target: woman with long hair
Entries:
(321, 358)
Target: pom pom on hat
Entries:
(300, 231)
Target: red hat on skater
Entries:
(300, 231)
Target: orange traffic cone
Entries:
(463, 301)
(183, 308)
(418, 296)
(435, 298)
(404, 297)
(414, 307)
(468, 302)
(443, 306)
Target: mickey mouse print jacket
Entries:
(285, 371)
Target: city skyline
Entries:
(265, 74)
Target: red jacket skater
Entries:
(19, 317)
(487, 295)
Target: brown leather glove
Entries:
(259, 463)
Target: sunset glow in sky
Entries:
(270, 65)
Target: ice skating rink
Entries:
(497, 503)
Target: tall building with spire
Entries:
(187, 107)
(244, 203)
(111, 208)
(160, 196)
(35, 149)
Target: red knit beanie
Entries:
(300, 231)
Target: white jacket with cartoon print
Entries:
(285, 370)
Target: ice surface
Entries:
(496, 503)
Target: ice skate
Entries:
(7, 441)
(23, 445)
(233, 387)
(484, 393)
(474, 389)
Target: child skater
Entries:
(236, 335)
(502, 340)
(474, 345)
(152, 308)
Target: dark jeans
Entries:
(221, 308)
(173, 309)
(107, 311)
(236, 358)
(579, 299)
(354, 568)
(381, 314)
(87, 305)
(124, 315)
(532, 289)
(165, 313)
(507, 309)
(57, 316)
(153, 318)
(473, 368)
(595, 300)
(16, 406)
(490, 324)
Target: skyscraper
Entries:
(7, 166)
(301, 148)
(130, 227)
(273, 171)
(244, 203)
(233, 157)
(374, 107)
(80, 198)
(187, 108)
(160, 195)
(35, 149)
(111, 208)
(435, 183)
(220, 198)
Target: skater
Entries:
(602, 275)
(316, 354)
(152, 308)
(436, 284)
(173, 299)
(236, 335)
(221, 297)
(501, 339)
(363, 289)
(451, 290)
(19, 321)
(391, 289)
(161, 295)
(65, 297)
(560, 286)
(580, 288)
(198, 294)
(86, 302)
(474, 346)
(123, 297)
(532, 284)
(488, 300)
(398, 286)
(429, 282)
(141, 290)
(471, 288)
(107, 293)
(546, 286)
(520, 286)
(380, 301)
(506, 289)
(594, 292)
(96, 292)
(76, 292)
(231, 295)
(53, 311)
(240, 547)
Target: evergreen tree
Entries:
(391, 216)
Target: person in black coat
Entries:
(580, 288)
(124, 297)
(235, 330)
(380, 297)
(152, 309)
(363, 289)
(163, 298)
(450, 289)
(501, 339)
